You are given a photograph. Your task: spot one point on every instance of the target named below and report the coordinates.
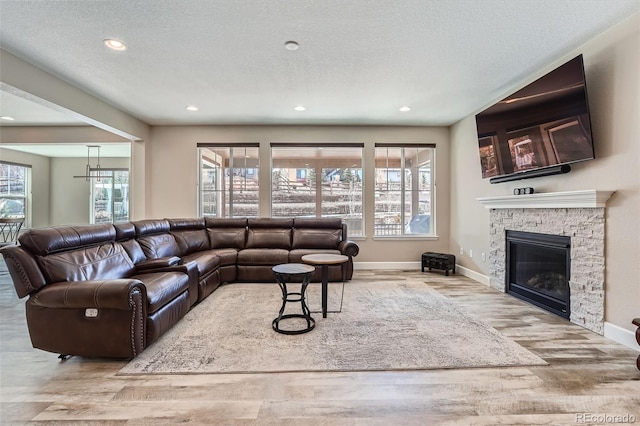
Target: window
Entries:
(228, 180)
(110, 196)
(404, 194)
(318, 181)
(15, 184)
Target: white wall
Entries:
(57, 197)
(40, 196)
(173, 164)
(612, 66)
(71, 197)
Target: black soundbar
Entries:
(548, 171)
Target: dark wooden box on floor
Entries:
(440, 261)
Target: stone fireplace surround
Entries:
(579, 215)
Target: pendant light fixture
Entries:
(87, 175)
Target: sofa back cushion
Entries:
(45, 241)
(317, 233)
(190, 234)
(134, 250)
(269, 233)
(155, 239)
(186, 224)
(125, 235)
(105, 261)
(77, 253)
(159, 245)
(307, 238)
(124, 231)
(227, 233)
(151, 226)
(191, 241)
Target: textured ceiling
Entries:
(30, 113)
(358, 61)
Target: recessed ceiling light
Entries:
(191, 108)
(404, 109)
(6, 117)
(299, 108)
(115, 44)
(291, 45)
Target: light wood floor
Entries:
(588, 376)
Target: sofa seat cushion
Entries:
(295, 256)
(206, 261)
(227, 256)
(163, 287)
(263, 256)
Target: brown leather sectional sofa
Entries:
(111, 290)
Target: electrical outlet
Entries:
(461, 250)
(470, 253)
(484, 257)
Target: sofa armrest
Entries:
(349, 248)
(103, 294)
(173, 264)
(24, 270)
(191, 269)
(161, 262)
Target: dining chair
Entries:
(9, 230)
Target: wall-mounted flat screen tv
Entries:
(538, 130)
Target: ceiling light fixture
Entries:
(115, 44)
(191, 108)
(291, 45)
(404, 109)
(6, 117)
(87, 172)
(299, 108)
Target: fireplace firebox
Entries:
(538, 270)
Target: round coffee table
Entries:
(285, 273)
(324, 260)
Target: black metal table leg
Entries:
(283, 278)
(324, 260)
(325, 289)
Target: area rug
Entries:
(400, 325)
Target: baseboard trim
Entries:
(621, 335)
(476, 276)
(387, 265)
(412, 266)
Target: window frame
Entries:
(27, 185)
(112, 199)
(222, 193)
(356, 224)
(404, 221)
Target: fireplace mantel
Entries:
(589, 198)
